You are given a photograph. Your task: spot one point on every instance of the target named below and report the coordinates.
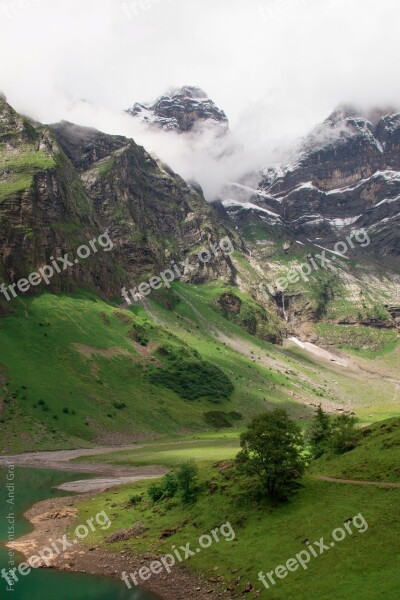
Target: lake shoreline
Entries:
(52, 518)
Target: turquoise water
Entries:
(33, 485)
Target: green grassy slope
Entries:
(364, 566)
(77, 371)
(376, 458)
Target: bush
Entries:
(155, 492)
(135, 499)
(182, 481)
(186, 477)
(166, 489)
(119, 405)
(345, 435)
(170, 485)
(139, 334)
(217, 419)
(192, 379)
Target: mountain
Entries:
(344, 176)
(182, 110)
(79, 365)
(62, 185)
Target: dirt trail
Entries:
(59, 460)
(386, 484)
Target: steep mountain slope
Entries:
(336, 199)
(64, 185)
(44, 210)
(153, 215)
(345, 175)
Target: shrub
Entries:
(119, 405)
(192, 379)
(182, 481)
(217, 419)
(186, 477)
(339, 434)
(139, 334)
(155, 492)
(345, 435)
(170, 485)
(135, 499)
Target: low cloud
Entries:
(276, 67)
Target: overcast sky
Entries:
(275, 66)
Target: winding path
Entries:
(386, 484)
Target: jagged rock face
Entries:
(44, 210)
(151, 211)
(181, 111)
(63, 185)
(85, 146)
(345, 175)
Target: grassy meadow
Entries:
(364, 566)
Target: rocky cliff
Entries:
(345, 175)
(62, 185)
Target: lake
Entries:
(31, 486)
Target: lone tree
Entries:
(319, 432)
(272, 449)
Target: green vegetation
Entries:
(273, 451)
(181, 483)
(338, 434)
(267, 536)
(98, 358)
(9, 188)
(85, 349)
(220, 419)
(194, 379)
(252, 317)
(319, 432)
(364, 341)
(376, 457)
(19, 168)
(171, 454)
